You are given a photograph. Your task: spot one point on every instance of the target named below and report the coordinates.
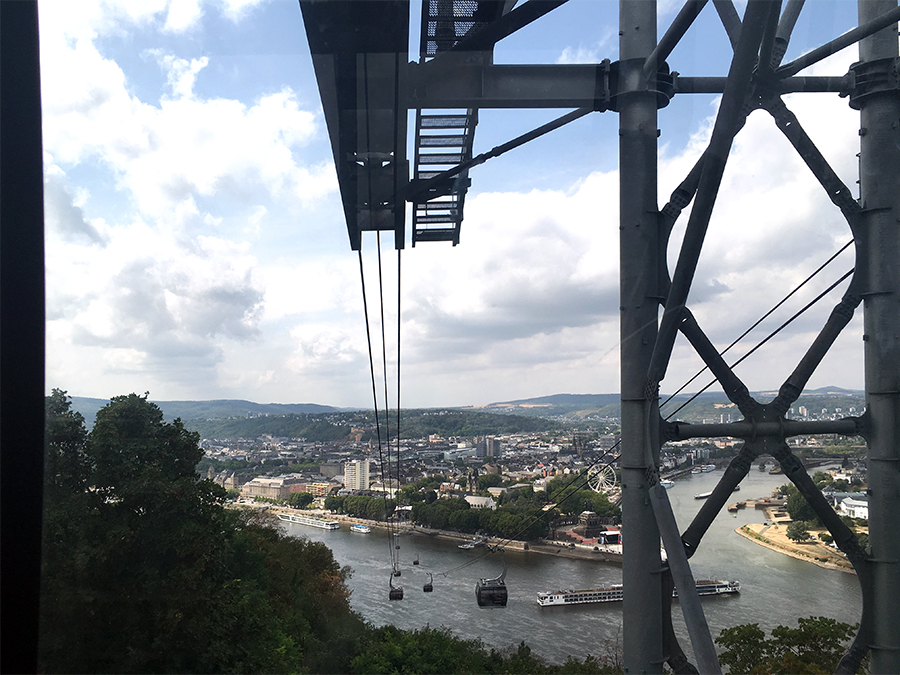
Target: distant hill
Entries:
(207, 410)
(710, 405)
(238, 418)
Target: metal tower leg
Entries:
(639, 301)
(879, 170)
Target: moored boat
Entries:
(667, 484)
(613, 593)
(312, 521)
(471, 544)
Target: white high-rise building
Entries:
(356, 474)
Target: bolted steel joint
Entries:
(626, 77)
(872, 78)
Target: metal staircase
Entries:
(444, 140)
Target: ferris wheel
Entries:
(601, 478)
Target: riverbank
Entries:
(774, 537)
(610, 554)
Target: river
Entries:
(776, 589)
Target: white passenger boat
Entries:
(613, 593)
(362, 529)
(312, 521)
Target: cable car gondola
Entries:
(429, 586)
(396, 592)
(492, 592)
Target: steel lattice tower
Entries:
(368, 86)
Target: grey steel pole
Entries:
(879, 174)
(639, 301)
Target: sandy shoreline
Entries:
(774, 538)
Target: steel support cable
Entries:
(838, 319)
(837, 192)
(736, 391)
(685, 545)
(726, 126)
(739, 466)
(419, 187)
(839, 43)
(385, 477)
(841, 196)
(396, 500)
(362, 279)
(762, 318)
(766, 339)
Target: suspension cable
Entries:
(764, 340)
(584, 477)
(362, 279)
(396, 499)
(386, 477)
(761, 319)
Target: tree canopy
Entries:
(816, 645)
(145, 571)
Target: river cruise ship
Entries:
(359, 527)
(613, 593)
(312, 521)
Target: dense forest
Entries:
(339, 426)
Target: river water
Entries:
(775, 588)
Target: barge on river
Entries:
(310, 520)
(613, 593)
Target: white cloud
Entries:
(593, 53)
(190, 251)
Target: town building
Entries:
(356, 474)
(278, 487)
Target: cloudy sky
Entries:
(196, 247)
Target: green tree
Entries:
(816, 645)
(144, 571)
(820, 478)
(487, 480)
(334, 504)
(745, 647)
(300, 500)
(799, 508)
(798, 530)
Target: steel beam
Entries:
(879, 175)
(474, 85)
(716, 85)
(639, 299)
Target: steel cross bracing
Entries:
(368, 86)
